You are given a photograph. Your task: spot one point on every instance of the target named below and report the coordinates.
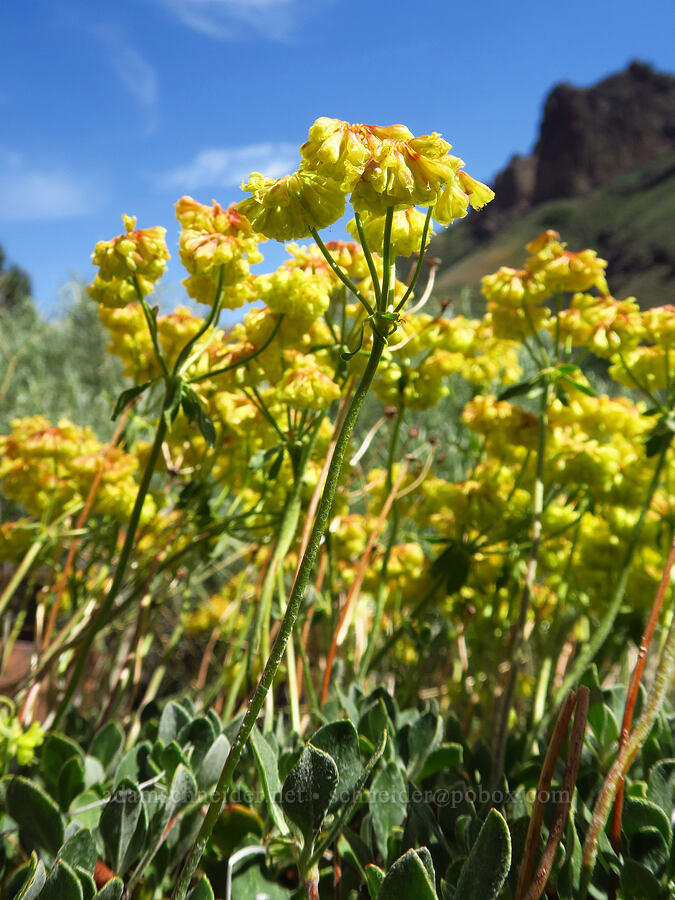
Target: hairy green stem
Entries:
(151, 322)
(288, 622)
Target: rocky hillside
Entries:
(602, 173)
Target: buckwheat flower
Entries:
(289, 207)
(118, 292)
(647, 366)
(514, 287)
(452, 203)
(501, 422)
(659, 325)
(563, 269)
(15, 742)
(294, 291)
(130, 340)
(340, 150)
(15, 539)
(602, 324)
(513, 324)
(406, 231)
(405, 173)
(479, 194)
(305, 386)
(217, 247)
(139, 254)
(349, 256)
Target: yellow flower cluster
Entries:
(380, 167)
(217, 246)
(406, 231)
(602, 324)
(515, 295)
(49, 468)
(128, 264)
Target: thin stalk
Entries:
(293, 696)
(81, 521)
(155, 680)
(307, 678)
(102, 613)
(151, 322)
(246, 359)
(287, 530)
(206, 324)
(601, 633)
(369, 258)
(631, 697)
(526, 595)
(654, 702)
(545, 778)
(420, 258)
(294, 603)
(387, 281)
(340, 631)
(338, 271)
(393, 533)
(21, 571)
(566, 792)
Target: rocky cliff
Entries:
(587, 137)
(609, 148)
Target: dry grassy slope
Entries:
(630, 222)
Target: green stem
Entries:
(288, 622)
(601, 633)
(206, 324)
(21, 571)
(393, 533)
(287, 528)
(369, 258)
(526, 595)
(338, 271)
(388, 282)
(152, 326)
(102, 613)
(307, 678)
(420, 258)
(246, 359)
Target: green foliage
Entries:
(61, 368)
(417, 821)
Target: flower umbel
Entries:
(137, 255)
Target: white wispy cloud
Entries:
(132, 70)
(218, 167)
(38, 194)
(225, 19)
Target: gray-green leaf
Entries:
(485, 871)
(308, 790)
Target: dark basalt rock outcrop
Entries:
(587, 137)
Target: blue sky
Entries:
(119, 107)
